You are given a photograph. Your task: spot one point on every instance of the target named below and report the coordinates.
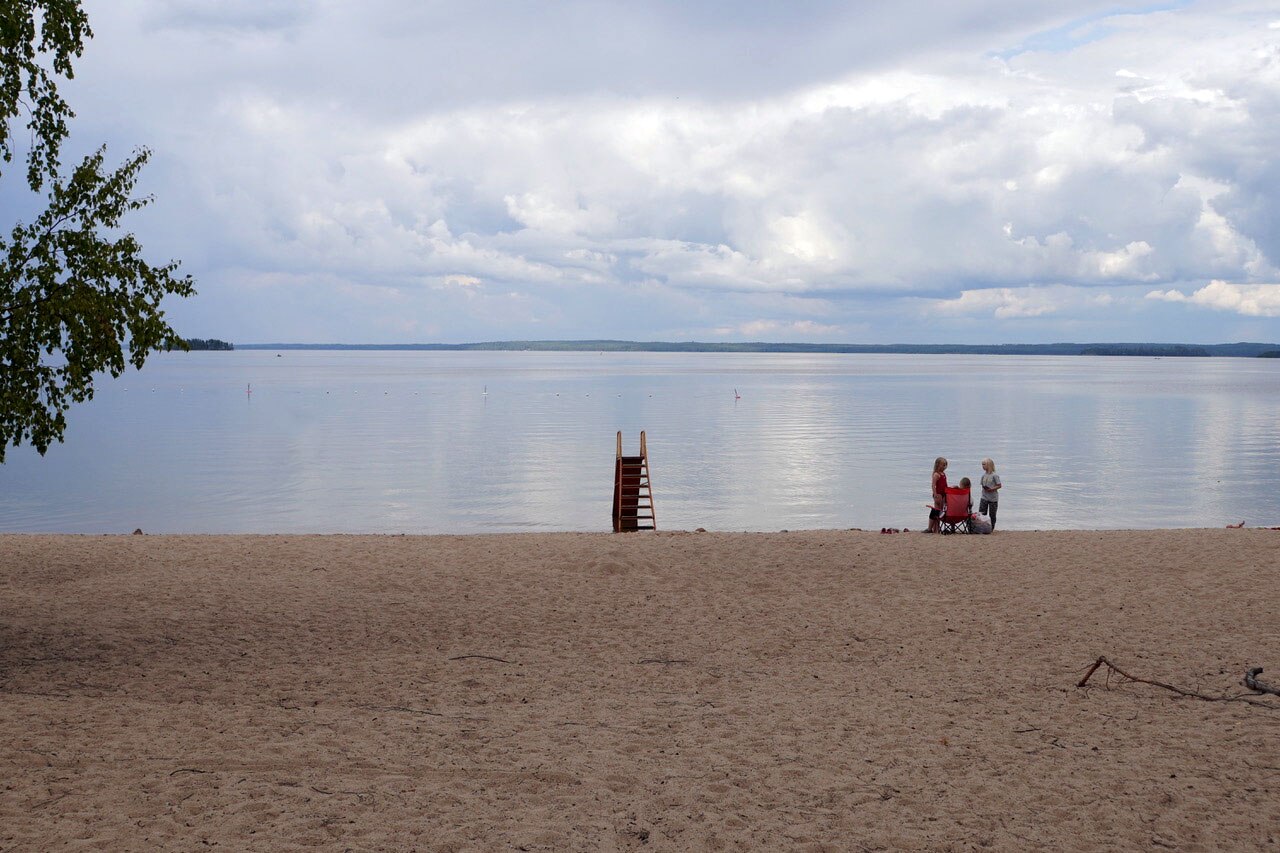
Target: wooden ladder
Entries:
(632, 493)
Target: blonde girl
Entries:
(990, 491)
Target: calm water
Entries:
(410, 442)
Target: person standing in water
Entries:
(990, 492)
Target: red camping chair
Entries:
(956, 509)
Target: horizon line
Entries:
(691, 342)
(1239, 349)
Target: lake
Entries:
(481, 442)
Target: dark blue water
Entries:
(411, 442)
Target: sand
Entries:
(832, 690)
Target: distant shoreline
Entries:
(1157, 350)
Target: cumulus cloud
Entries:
(1250, 300)
(462, 281)
(1006, 303)
(580, 156)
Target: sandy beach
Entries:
(833, 690)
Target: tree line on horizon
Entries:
(1241, 349)
(209, 344)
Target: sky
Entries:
(949, 171)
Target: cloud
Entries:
(465, 51)
(1126, 262)
(831, 188)
(236, 16)
(1250, 300)
(1006, 303)
(544, 213)
(462, 281)
(862, 161)
(780, 330)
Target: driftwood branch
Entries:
(1251, 681)
(1190, 694)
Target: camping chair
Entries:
(956, 509)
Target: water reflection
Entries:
(410, 442)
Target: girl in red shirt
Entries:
(939, 486)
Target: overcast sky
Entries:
(924, 171)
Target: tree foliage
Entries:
(76, 297)
(31, 29)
